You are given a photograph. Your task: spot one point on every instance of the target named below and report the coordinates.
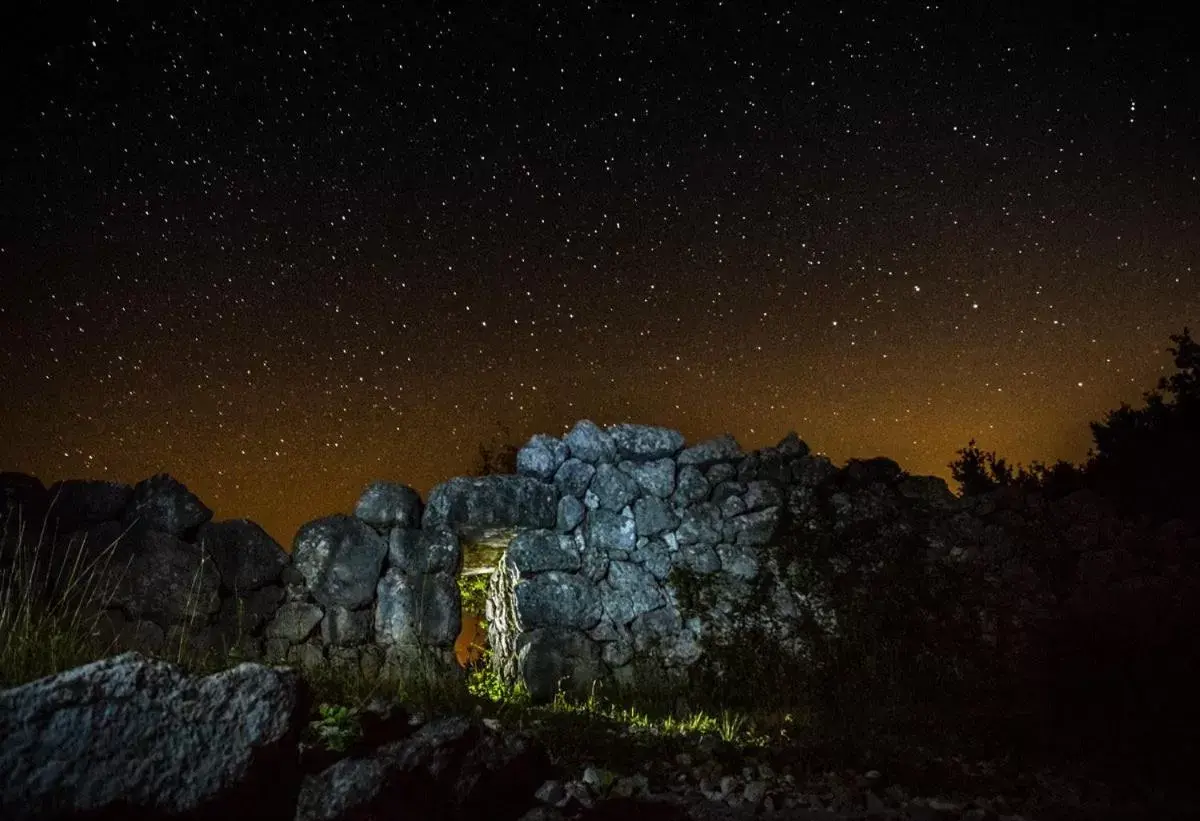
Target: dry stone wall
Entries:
(633, 553)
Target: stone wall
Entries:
(629, 558)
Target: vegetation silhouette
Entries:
(1146, 461)
(499, 458)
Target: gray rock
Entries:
(128, 735)
(347, 628)
(629, 591)
(550, 658)
(691, 486)
(433, 549)
(762, 494)
(164, 504)
(757, 528)
(246, 557)
(698, 557)
(557, 599)
(655, 478)
(574, 477)
(613, 488)
(732, 506)
(570, 513)
(721, 472)
(169, 580)
(541, 457)
(655, 556)
(644, 443)
(384, 505)
(341, 558)
(653, 516)
(78, 504)
(738, 561)
(700, 523)
(605, 531)
(418, 609)
(533, 551)
(721, 448)
(295, 622)
(792, 446)
(492, 501)
(588, 443)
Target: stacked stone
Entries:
(145, 564)
(592, 598)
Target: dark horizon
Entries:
(280, 256)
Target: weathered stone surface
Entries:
(164, 504)
(341, 558)
(417, 609)
(557, 599)
(761, 494)
(613, 488)
(128, 735)
(721, 472)
(541, 457)
(653, 516)
(644, 443)
(722, 448)
(738, 561)
(698, 557)
(655, 556)
(606, 531)
(346, 628)
(656, 478)
(570, 513)
(295, 622)
(628, 591)
(384, 505)
(732, 506)
(433, 549)
(691, 486)
(449, 768)
(588, 443)
(492, 501)
(81, 503)
(245, 556)
(700, 523)
(574, 477)
(533, 551)
(755, 528)
(792, 446)
(168, 580)
(548, 658)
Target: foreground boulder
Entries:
(130, 737)
(127, 732)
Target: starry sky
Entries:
(283, 250)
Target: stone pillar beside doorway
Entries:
(418, 613)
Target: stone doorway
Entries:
(482, 551)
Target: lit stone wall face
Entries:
(617, 555)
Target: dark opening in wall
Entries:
(482, 552)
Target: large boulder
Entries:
(492, 501)
(129, 737)
(246, 557)
(164, 504)
(341, 558)
(389, 504)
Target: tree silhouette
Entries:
(1145, 460)
(498, 459)
(978, 472)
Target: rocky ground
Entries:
(706, 779)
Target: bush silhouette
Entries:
(1145, 462)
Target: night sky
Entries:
(280, 255)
